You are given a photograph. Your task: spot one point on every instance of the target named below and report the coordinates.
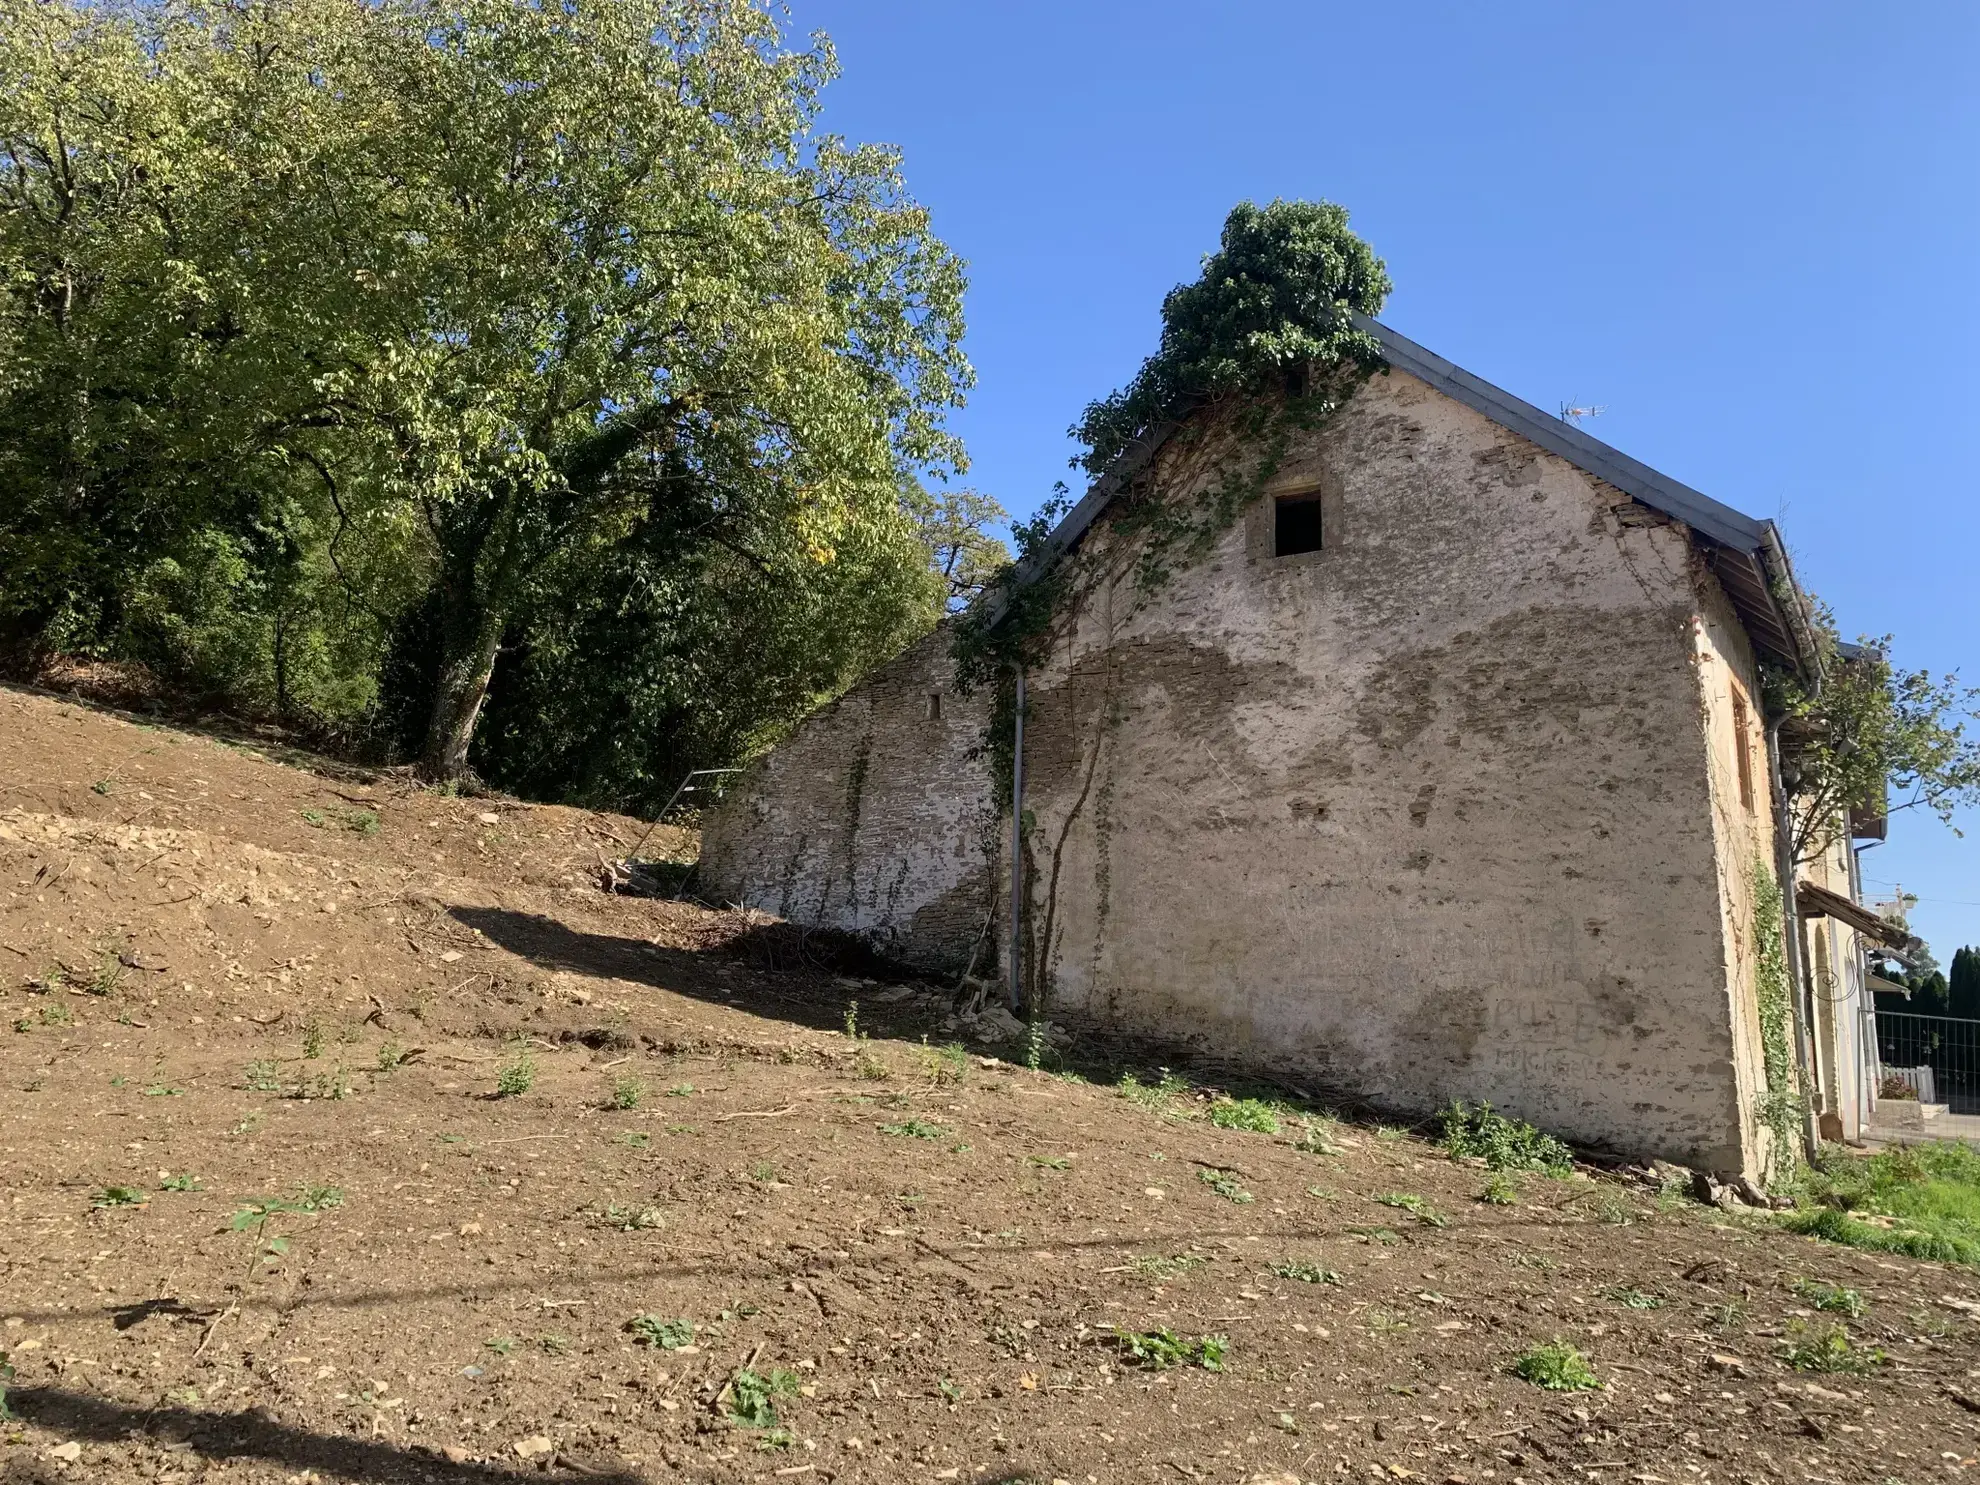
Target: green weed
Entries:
(391, 1056)
(1157, 1096)
(1501, 1191)
(1924, 1202)
(1051, 1162)
(665, 1334)
(1503, 1144)
(1244, 1113)
(1306, 1273)
(1158, 1350)
(1155, 1266)
(751, 1397)
(1225, 1183)
(914, 1129)
(1416, 1206)
(118, 1196)
(1556, 1367)
(852, 1021)
(682, 1090)
(1831, 1297)
(627, 1092)
(1827, 1349)
(313, 1038)
(518, 1075)
(263, 1077)
(183, 1182)
(639, 1139)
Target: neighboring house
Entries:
(1442, 775)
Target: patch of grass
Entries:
(501, 1345)
(186, 1181)
(1306, 1273)
(1416, 1206)
(627, 1092)
(945, 1065)
(751, 1397)
(553, 1345)
(914, 1129)
(1157, 1096)
(872, 1068)
(1832, 1298)
(682, 1090)
(1158, 1350)
(164, 1090)
(763, 1171)
(1633, 1299)
(313, 1038)
(1226, 1184)
(1556, 1367)
(391, 1056)
(1156, 1266)
(1390, 1133)
(1922, 1201)
(118, 1196)
(108, 975)
(1244, 1113)
(1477, 1132)
(634, 1218)
(639, 1139)
(358, 822)
(1727, 1317)
(1387, 1322)
(1827, 1349)
(660, 1332)
(1501, 1191)
(518, 1075)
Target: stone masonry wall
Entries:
(1423, 815)
(873, 818)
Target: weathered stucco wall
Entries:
(1743, 823)
(873, 818)
(1423, 815)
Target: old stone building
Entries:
(1442, 775)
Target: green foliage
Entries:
(1416, 1206)
(1922, 1201)
(119, 1196)
(1306, 1273)
(751, 1397)
(185, 1181)
(1780, 1106)
(1227, 1185)
(1501, 1191)
(665, 1334)
(1160, 1349)
(1478, 1133)
(1871, 730)
(627, 1092)
(1244, 1113)
(1275, 297)
(355, 352)
(517, 1075)
(634, 1219)
(1556, 1367)
(1156, 1266)
(1827, 1348)
(1832, 1298)
(1159, 1095)
(915, 1129)
(6, 1376)
(1963, 984)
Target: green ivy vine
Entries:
(1781, 1108)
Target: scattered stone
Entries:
(68, 1453)
(534, 1447)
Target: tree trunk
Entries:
(469, 644)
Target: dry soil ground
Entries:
(223, 985)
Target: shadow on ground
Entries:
(253, 1435)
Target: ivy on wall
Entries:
(1781, 1106)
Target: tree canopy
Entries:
(354, 354)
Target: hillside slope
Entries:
(268, 1217)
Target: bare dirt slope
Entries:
(224, 984)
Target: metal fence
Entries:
(1937, 1056)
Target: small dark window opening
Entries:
(1742, 754)
(934, 706)
(1295, 525)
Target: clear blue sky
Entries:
(1751, 232)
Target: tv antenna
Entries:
(1572, 414)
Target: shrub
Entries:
(1244, 1113)
(1502, 1143)
(1557, 1367)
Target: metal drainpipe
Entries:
(1811, 1128)
(1017, 849)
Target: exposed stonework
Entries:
(874, 818)
(1446, 809)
